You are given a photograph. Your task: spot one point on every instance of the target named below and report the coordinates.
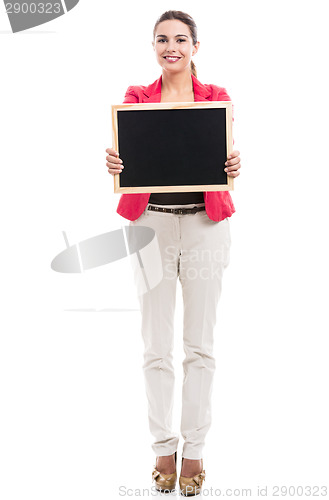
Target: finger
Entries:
(112, 152)
(234, 154)
(117, 168)
(113, 171)
(233, 174)
(113, 159)
(233, 161)
(233, 168)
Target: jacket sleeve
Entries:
(223, 96)
(130, 95)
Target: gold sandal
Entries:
(164, 482)
(192, 485)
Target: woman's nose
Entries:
(171, 46)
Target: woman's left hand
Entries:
(233, 164)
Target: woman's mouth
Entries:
(172, 58)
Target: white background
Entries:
(73, 418)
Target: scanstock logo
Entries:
(28, 14)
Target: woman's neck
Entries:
(177, 83)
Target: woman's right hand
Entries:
(113, 163)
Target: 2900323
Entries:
(33, 8)
(300, 491)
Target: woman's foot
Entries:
(191, 476)
(166, 464)
(190, 467)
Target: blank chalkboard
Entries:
(172, 147)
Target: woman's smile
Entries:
(172, 58)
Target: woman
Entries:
(194, 243)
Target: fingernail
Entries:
(226, 169)
(230, 156)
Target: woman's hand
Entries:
(113, 162)
(233, 164)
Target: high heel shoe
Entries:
(165, 482)
(192, 485)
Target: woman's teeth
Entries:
(172, 59)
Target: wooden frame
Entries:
(117, 109)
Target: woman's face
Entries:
(173, 38)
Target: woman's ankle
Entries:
(191, 467)
(166, 464)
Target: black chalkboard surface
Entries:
(168, 147)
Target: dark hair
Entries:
(186, 19)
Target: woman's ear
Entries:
(195, 48)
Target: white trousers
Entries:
(196, 250)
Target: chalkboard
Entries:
(172, 147)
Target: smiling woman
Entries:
(188, 226)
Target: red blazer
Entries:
(218, 204)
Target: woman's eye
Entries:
(179, 40)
